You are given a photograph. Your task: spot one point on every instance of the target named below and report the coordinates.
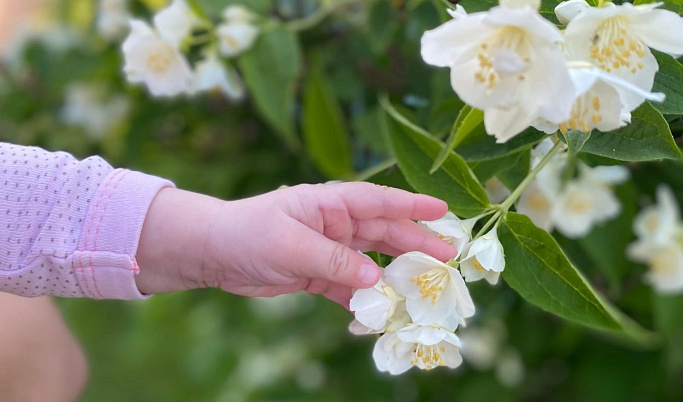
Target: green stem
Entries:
(320, 14)
(202, 39)
(527, 180)
(494, 218)
(505, 206)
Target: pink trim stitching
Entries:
(104, 209)
(86, 286)
(97, 204)
(99, 225)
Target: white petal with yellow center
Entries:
(425, 347)
(666, 268)
(483, 258)
(616, 39)
(234, 38)
(538, 206)
(507, 63)
(582, 204)
(433, 290)
(658, 223)
(603, 101)
(156, 62)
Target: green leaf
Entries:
(367, 129)
(382, 25)
(479, 146)
(538, 270)
(669, 80)
(515, 174)
(271, 70)
(484, 170)
(415, 150)
(327, 139)
(467, 121)
(647, 137)
(576, 140)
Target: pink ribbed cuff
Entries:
(105, 261)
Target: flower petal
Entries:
(661, 30)
(406, 267)
(443, 45)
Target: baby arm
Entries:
(80, 228)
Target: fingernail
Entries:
(369, 274)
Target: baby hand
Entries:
(306, 237)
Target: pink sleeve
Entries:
(70, 228)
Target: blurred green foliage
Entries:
(210, 346)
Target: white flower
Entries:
(158, 63)
(175, 22)
(567, 10)
(665, 263)
(603, 101)
(112, 19)
(452, 230)
(426, 347)
(238, 33)
(658, 223)
(506, 62)
(433, 290)
(537, 205)
(375, 306)
(213, 75)
(87, 106)
(483, 258)
(582, 204)
(616, 39)
(496, 190)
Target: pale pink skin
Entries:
(298, 238)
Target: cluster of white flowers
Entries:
(522, 71)
(154, 55)
(660, 243)
(421, 301)
(571, 206)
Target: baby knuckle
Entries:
(339, 261)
